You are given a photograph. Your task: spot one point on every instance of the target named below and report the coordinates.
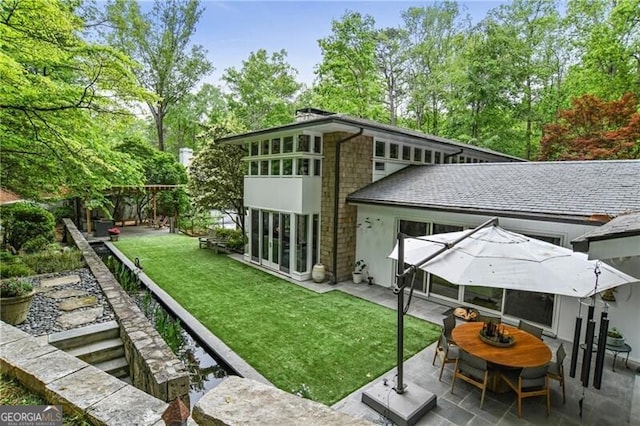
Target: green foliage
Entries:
(27, 226)
(615, 333)
(15, 287)
(216, 179)
(55, 90)
(160, 40)
(262, 91)
(14, 269)
(64, 211)
(55, 260)
(348, 79)
(169, 328)
(235, 238)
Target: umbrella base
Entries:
(403, 409)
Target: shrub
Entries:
(14, 287)
(50, 261)
(14, 269)
(25, 221)
(235, 238)
(63, 212)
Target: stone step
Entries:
(117, 367)
(103, 350)
(69, 339)
(127, 380)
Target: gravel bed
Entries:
(44, 310)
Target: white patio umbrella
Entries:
(495, 257)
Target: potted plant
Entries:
(615, 337)
(15, 300)
(113, 233)
(358, 269)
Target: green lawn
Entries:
(328, 344)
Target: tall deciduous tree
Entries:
(55, 90)
(595, 130)
(348, 80)
(391, 57)
(606, 37)
(160, 41)
(216, 177)
(262, 92)
(432, 33)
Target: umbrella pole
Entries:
(400, 283)
(401, 274)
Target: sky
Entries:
(231, 30)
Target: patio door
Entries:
(270, 239)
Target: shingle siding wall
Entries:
(356, 169)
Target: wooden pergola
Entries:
(152, 189)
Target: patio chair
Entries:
(472, 370)
(446, 351)
(530, 328)
(556, 369)
(449, 323)
(528, 382)
(204, 241)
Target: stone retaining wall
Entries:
(153, 366)
(80, 388)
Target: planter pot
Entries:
(14, 310)
(113, 237)
(615, 341)
(318, 273)
(101, 227)
(357, 277)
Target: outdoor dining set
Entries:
(499, 357)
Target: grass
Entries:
(324, 346)
(13, 393)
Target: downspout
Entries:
(336, 188)
(446, 157)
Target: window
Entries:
(461, 159)
(264, 168)
(275, 146)
(255, 148)
(255, 235)
(303, 166)
(265, 148)
(287, 167)
(475, 160)
(406, 153)
(437, 157)
(253, 169)
(304, 143)
(302, 246)
(468, 159)
(417, 154)
(393, 150)
(317, 144)
(415, 229)
(315, 239)
(380, 148)
(275, 167)
(379, 166)
(287, 144)
(438, 285)
(285, 257)
(317, 170)
(427, 156)
(486, 297)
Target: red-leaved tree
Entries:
(594, 130)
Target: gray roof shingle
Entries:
(572, 190)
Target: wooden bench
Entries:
(213, 241)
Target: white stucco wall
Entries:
(375, 243)
(294, 194)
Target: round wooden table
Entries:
(528, 351)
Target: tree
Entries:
(55, 91)
(432, 34)
(391, 59)
(262, 91)
(595, 130)
(159, 40)
(216, 177)
(606, 37)
(348, 80)
(188, 118)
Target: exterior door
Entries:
(271, 240)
